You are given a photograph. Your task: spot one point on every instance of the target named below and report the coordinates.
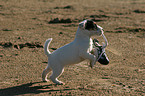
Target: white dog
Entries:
(72, 53)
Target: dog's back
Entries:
(68, 54)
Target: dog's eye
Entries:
(95, 26)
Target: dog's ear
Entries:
(82, 24)
(90, 24)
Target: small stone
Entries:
(19, 37)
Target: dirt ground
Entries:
(26, 24)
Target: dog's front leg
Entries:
(89, 56)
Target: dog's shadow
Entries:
(28, 88)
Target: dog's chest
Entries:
(90, 45)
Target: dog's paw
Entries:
(57, 82)
(60, 83)
(92, 63)
(91, 66)
(45, 80)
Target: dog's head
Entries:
(90, 28)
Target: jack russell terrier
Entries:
(76, 51)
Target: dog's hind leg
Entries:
(45, 72)
(56, 72)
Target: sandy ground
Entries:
(26, 24)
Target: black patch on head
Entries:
(90, 25)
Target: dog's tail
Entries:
(46, 47)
